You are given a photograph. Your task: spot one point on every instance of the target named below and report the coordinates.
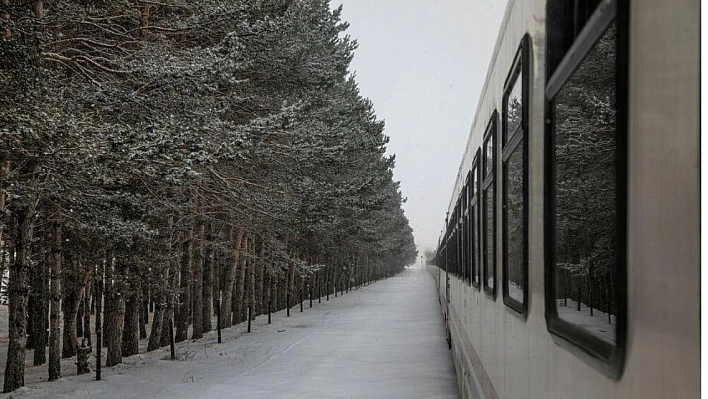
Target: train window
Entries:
(455, 238)
(474, 221)
(514, 182)
(489, 210)
(567, 18)
(586, 190)
(488, 155)
(466, 230)
(460, 239)
(459, 242)
(451, 245)
(513, 103)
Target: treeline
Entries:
(169, 156)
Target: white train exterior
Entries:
(509, 344)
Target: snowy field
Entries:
(383, 341)
(597, 323)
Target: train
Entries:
(569, 261)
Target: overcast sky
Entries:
(423, 64)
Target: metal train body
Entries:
(512, 349)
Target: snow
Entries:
(386, 340)
(596, 324)
(515, 291)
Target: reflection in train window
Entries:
(512, 105)
(514, 222)
(514, 178)
(489, 263)
(489, 241)
(458, 238)
(461, 241)
(464, 196)
(488, 155)
(586, 208)
(585, 187)
(474, 221)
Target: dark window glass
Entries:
(585, 196)
(455, 239)
(513, 111)
(475, 182)
(488, 209)
(514, 224)
(514, 175)
(586, 181)
(466, 247)
(466, 242)
(474, 223)
(488, 155)
(460, 240)
(567, 19)
(475, 244)
(489, 258)
(465, 194)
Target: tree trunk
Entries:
(326, 281)
(87, 310)
(68, 300)
(115, 314)
(73, 294)
(39, 310)
(182, 322)
(230, 278)
(269, 297)
(218, 268)
(208, 280)
(318, 282)
(252, 282)
(161, 299)
(198, 281)
(169, 311)
(261, 279)
(18, 291)
(275, 278)
(79, 320)
(4, 169)
(98, 301)
(290, 281)
(69, 344)
(54, 304)
(245, 264)
(144, 307)
(159, 317)
(131, 331)
(579, 293)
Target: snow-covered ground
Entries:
(597, 323)
(384, 341)
(515, 291)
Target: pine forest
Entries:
(168, 163)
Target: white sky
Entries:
(423, 64)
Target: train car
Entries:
(569, 265)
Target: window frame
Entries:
(512, 140)
(460, 240)
(466, 250)
(453, 242)
(489, 185)
(474, 205)
(606, 357)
